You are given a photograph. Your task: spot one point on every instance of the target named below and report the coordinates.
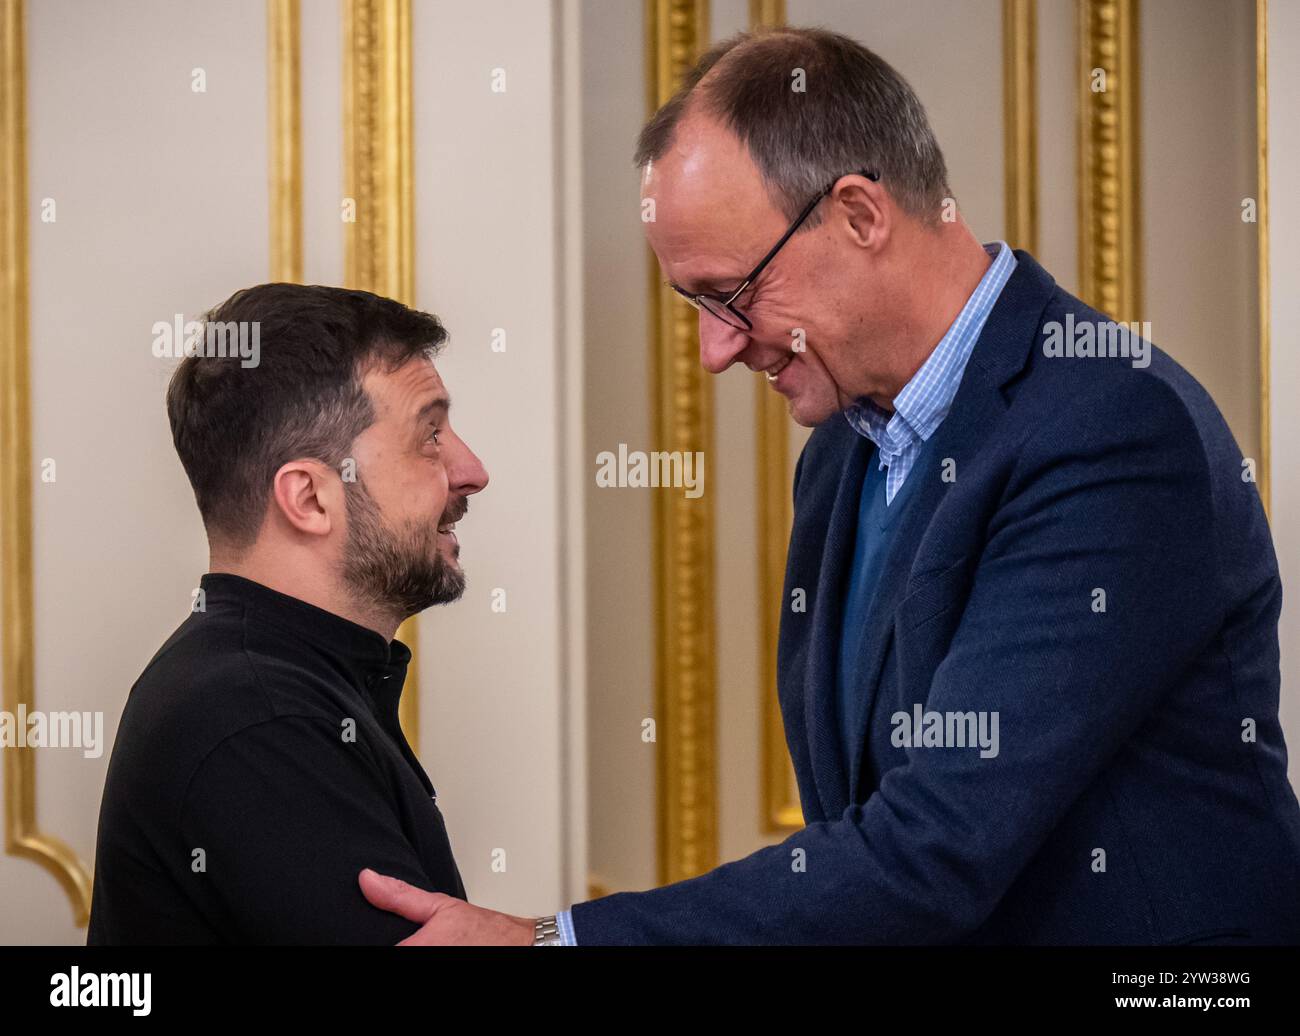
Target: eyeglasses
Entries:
(720, 305)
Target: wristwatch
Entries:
(546, 932)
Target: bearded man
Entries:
(259, 764)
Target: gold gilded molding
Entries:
(780, 797)
(283, 48)
(778, 793)
(23, 836)
(1020, 121)
(685, 636)
(1265, 287)
(378, 173)
(1110, 243)
(379, 253)
(766, 14)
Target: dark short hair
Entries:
(856, 112)
(234, 425)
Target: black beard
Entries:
(400, 572)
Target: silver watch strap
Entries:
(546, 932)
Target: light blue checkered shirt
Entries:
(918, 410)
(925, 400)
(564, 922)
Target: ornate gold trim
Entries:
(378, 156)
(378, 161)
(1020, 126)
(283, 49)
(22, 835)
(1110, 242)
(778, 793)
(780, 797)
(766, 14)
(686, 670)
(1265, 286)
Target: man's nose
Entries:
(465, 472)
(720, 343)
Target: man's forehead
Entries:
(704, 162)
(413, 385)
(711, 208)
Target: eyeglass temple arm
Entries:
(807, 211)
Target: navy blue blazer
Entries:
(1085, 557)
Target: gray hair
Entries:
(855, 113)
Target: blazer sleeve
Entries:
(1114, 494)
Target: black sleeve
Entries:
(287, 814)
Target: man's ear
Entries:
(865, 208)
(309, 496)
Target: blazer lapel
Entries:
(1000, 353)
(957, 438)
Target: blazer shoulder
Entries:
(1058, 378)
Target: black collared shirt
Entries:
(258, 767)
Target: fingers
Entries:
(397, 897)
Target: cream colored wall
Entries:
(617, 366)
(1284, 319)
(1198, 163)
(161, 198)
(1058, 151)
(498, 689)
(321, 41)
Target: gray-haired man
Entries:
(1054, 550)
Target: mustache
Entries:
(454, 511)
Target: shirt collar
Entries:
(925, 400)
(372, 661)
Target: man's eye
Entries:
(433, 436)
